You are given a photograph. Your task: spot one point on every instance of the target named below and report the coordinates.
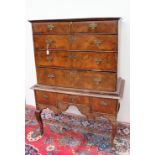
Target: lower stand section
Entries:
(91, 104)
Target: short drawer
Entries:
(105, 27)
(105, 61)
(51, 27)
(91, 80)
(44, 97)
(54, 58)
(81, 102)
(79, 60)
(94, 42)
(73, 99)
(51, 42)
(104, 105)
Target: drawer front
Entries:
(73, 99)
(95, 60)
(94, 42)
(90, 80)
(81, 60)
(55, 58)
(104, 105)
(81, 102)
(44, 97)
(51, 41)
(76, 42)
(51, 27)
(107, 27)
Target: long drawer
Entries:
(91, 80)
(80, 60)
(76, 42)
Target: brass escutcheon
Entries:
(72, 98)
(72, 56)
(49, 58)
(72, 38)
(73, 73)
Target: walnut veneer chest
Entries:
(76, 64)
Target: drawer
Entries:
(95, 60)
(81, 102)
(94, 42)
(51, 41)
(76, 42)
(104, 105)
(51, 27)
(91, 80)
(106, 27)
(44, 97)
(55, 58)
(73, 99)
(81, 60)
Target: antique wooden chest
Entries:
(76, 64)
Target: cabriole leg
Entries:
(114, 130)
(39, 119)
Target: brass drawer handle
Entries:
(103, 103)
(92, 26)
(50, 26)
(50, 76)
(97, 80)
(98, 61)
(98, 42)
(72, 56)
(45, 97)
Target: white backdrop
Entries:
(55, 9)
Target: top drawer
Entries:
(51, 27)
(105, 27)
